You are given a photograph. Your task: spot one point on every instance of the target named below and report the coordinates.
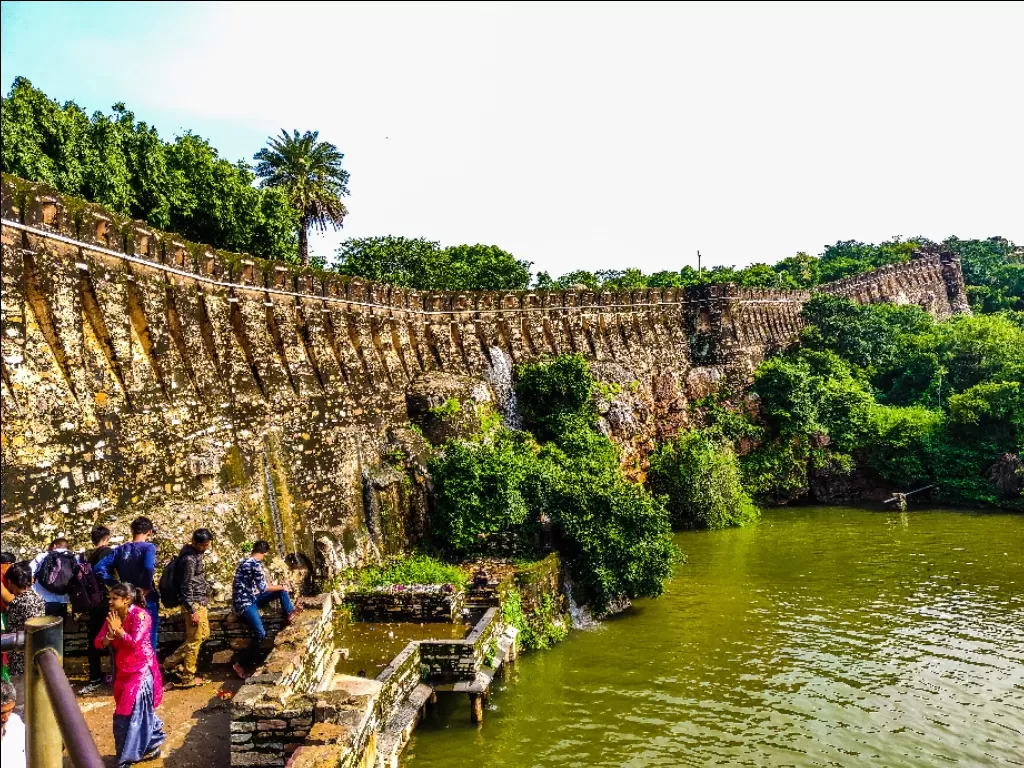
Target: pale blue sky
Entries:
(585, 136)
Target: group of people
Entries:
(124, 624)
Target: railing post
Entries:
(43, 744)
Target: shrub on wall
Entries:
(699, 474)
(504, 486)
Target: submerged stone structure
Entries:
(143, 374)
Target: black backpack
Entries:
(168, 586)
(57, 572)
(85, 590)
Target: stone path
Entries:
(197, 721)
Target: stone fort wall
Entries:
(144, 374)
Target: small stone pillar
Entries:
(476, 707)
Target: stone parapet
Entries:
(405, 603)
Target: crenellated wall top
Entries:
(38, 207)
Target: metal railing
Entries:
(53, 719)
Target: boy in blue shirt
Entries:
(135, 562)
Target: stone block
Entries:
(322, 756)
(255, 758)
(329, 733)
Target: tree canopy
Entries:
(309, 173)
(184, 186)
(425, 265)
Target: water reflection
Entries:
(818, 637)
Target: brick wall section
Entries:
(446, 661)
(540, 580)
(426, 604)
(274, 711)
(934, 282)
(227, 632)
(398, 680)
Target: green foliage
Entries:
(850, 257)
(418, 569)
(550, 392)
(613, 534)
(480, 491)
(868, 336)
(309, 173)
(123, 164)
(700, 475)
(447, 409)
(425, 265)
(890, 390)
(538, 630)
(994, 272)
(395, 457)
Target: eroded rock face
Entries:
(448, 406)
(1007, 475)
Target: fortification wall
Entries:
(143, 374)
(934, 282)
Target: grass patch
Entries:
(418, 569)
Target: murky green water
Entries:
(836, 637)
(372, 646)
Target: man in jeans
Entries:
(251, 592)
(135, 563)
(195, 597)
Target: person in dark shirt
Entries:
(194, 595)
(135, 562)
(98, 615)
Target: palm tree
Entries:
(310, 173)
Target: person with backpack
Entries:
(135, 562)
(194, 597)
(53, 572)
(98, 612)
(26, 604)
(249, 593)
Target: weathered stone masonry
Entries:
(145, 374)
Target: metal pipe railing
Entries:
(81, 747)
(12, 641)
(52, 715)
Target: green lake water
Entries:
(818, 637)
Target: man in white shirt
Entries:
(12, 747)
(56, 605)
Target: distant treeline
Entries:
(186, 187)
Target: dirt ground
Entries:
(196, 720)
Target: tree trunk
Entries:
(304, 241)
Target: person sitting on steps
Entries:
(250, 592)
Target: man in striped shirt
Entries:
(251, 592)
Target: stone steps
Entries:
(396, 734)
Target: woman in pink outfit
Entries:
(138, 687)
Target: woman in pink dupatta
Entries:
(138, 687)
